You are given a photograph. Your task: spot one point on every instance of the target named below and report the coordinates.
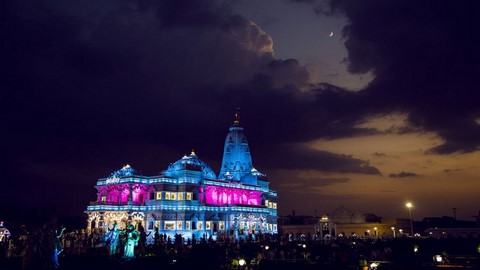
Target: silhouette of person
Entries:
(131, 239)
(58, 246)
(112, 239)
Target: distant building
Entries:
(444, 227)
(4, 233)
(297, 224)
(189, 199)
(339, 221)
(343, 221)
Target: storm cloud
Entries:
(87, 88)
(424, 56)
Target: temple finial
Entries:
(193, 152)
(236, 121)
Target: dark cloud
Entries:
(87, 88)
(301, 157)
(424, 56)
(301, 184)
(402, 175)
(451, 170)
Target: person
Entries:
(58, 246)
(112, 239)
(131, 237)
(142, 243)
(156, 237)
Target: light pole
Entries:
(409, 206)
(393, 230)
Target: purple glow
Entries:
(224, 196)
(139, 194)
(118, 194)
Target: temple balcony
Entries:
(93, 203)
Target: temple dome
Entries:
(126, 170)
(341, 215)
(192, 163)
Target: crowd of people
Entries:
(41, 248)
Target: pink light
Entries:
(222, 196)
(139, 194)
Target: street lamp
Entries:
(393, 230)
(409, 206)
(376, 235)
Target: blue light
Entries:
(224, 207)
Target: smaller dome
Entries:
(192, 163)
(341, 215)
(124, 171)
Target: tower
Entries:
(237, 160)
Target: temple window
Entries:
(274, 205)
(270, 205)
(200, 225)
(187, 225)
(169, 225)
(208, 225)
(180, 196)
(189, 196)
(179, 225)
(103, 198)
(159, 195)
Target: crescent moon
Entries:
(331, 34)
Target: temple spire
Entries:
(236, 121)
(237, 160)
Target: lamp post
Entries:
(393, 230)
(409, 206)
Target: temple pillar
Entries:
(130, 194)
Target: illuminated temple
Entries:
(189, 199)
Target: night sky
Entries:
(366, 104)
